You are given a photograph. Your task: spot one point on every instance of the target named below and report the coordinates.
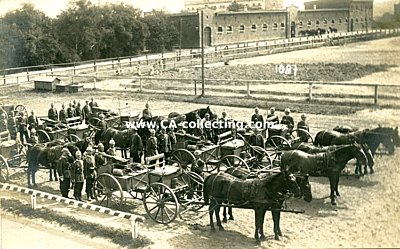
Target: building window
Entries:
(275, 26)
(282, 25)
(309, 23)
(317, 22)
(300, 24)
(241, 28)
(219, 30)
(340, 21)
(333, 22)
(356, 19)
(264, 27)
(325, 22)
(253, 28)
(346, 20)
(229, 29)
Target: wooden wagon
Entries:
(12, 155)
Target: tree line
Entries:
(82, 32)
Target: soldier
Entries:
(172, 138)
(287, 119)
(136, 149)
(77, 176)
(207, 131)
(257, 119)
(164, 144)
(32, 121)
(92, 103)
(63, 114)
(32, 165)
(3, 122)
(22, 128)
(257, 139)
(87, 110)
(303, 124)
(272, 116)
(146, 112)
(102, 124)
(52, 113)
(89, 172)
(70, 111)
(12, 127)
(151, 144)
(64, 172)
(78, 110)
(99, 159)
(111, 150)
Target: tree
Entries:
(234, 6)
(163, 35)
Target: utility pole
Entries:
(202, 52)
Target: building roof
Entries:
(46, 79)
(250, 12)
(324, 10)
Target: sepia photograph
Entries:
(169, 124)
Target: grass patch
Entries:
(117, 236)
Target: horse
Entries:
(241, 173)
(312, 149)
(257, 194)
(45, 155)
(389, 137)
(330, 163)
(122, 138)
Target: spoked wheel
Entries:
(73, 138)
(93, 122)
(183, 158)
(20, 109)
(211, 161)
(301, 135)
(4, 171)
(229, 161)
(160, 203)
(264, 160)
(190, 190)
(276, 145)
(43, 136)
(107, 190)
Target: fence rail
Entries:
(140, 65)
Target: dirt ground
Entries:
(367, 214)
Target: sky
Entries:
(54, 7)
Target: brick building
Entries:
(397, 9)
(319, 17)
(222, 5)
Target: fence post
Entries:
(195, 87)
(310, 91)
(248, 89)
(376, 95)
(51, 70)
(74, 67)
(4, 76)
(140, 85)
(33, 201)
(27, 74)
(134, 229)
(130, 61)
(94, 82)
(19, 87)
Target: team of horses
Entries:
(238, 188)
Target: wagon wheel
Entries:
(43, 136)
(107, 190)
(229, 161)
(93, 122)
(278, 144)
(294, 136)
(22, 152)
(160, 203)
(20, 108)
(191, 195)
(4, 173)
(73, 138)
(211, 161)
(182, 157)
(264, 160)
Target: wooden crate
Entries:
(61, 88)
(75, 88)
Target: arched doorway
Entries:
(293, 29)
(351, 25)
(207, 36)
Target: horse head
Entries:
(358, 153)
(283, 183)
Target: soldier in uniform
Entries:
(32, 167)
(257, 119)
(87, 110)
(64, 172)
(287, 119)
(303, 124)
(12, 127)
(172, 138)
(77, 176)
(52, 113)
(22, 128)
(78, 110)
(111, 150)
(164, 144)
(136, 148)
(70, 111)
(207, 131)
(272, 116)
(32, 121)
(89, 172)
(92, 103)
(99, 158)
(256, 139)
(146, 112)
(102, 124)
(63, 114)
(151, 144)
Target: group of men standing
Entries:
(74, 110)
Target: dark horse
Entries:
(257, 194)
(389, 137)
(312, 149)
(122, 138)
(302, 181)
(330, 163)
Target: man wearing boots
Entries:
(136, 147)
(32, 166)
(64, 171)
(89, 172)
(77, 176)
